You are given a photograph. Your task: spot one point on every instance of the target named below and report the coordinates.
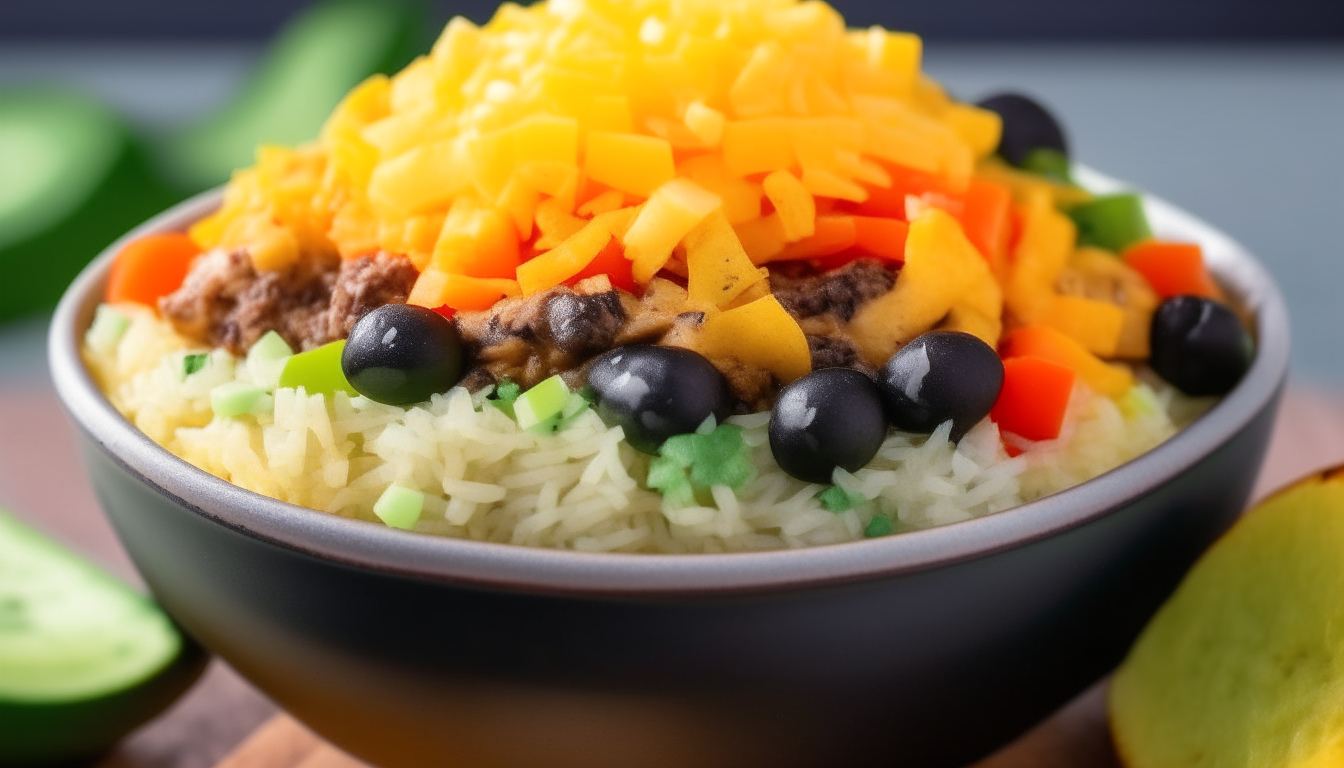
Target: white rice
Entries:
(583, 488)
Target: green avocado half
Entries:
(314, 62)
(84, 659)
(73, 178)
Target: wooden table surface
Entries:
(42, 481)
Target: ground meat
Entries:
(838, 292)
(364, 284)
(528, 339)
(834, 352)
(225, 302)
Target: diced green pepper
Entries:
(1113, 222)
(266, 359)
(837, 499)
(237, 398)
(193, 363)
(1050, 163)
(106, 330)
(318, 371)
(880, 525)
(544, 401)
(399, 507)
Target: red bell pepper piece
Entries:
(610, 261)
(1034, 397)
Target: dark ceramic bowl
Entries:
(924, 649)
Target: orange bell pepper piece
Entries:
(1173, 269)
(151, 267)
(1034, 398)
(1049, 344)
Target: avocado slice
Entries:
(84, 659)
(317, 58)
(1244, 665)
(74, 178)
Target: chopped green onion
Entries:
(1113, 222)
(505, 395)
(193, 363)
(670, 480)
(880, 525)
(837, 499)
(237, 398)
(399, 507)
(318, 371)
(266, 359)
(106, 330)
(542, 402)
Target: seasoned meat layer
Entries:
(528, 339)
(838, 292)
(225, 302)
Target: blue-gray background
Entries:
(1233, 110)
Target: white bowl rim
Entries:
(505, 566)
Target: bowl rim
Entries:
(368, 545)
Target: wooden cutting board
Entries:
(1076, 737)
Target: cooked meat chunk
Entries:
(225, 302)
(584, 324)
(834, 352)
(364, 284)
(532, 338)
(838, 292)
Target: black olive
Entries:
(400, 354)
(1026, 126)
(941, 375)
(829, 418)
(1199, 345)
(654, 393)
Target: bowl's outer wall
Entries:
(933, 668)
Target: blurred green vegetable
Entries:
(317, 58)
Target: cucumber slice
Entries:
(316, 59)
(73, 180)
(84, 659)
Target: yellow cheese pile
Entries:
(511, 156)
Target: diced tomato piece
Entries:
(446, 311)
(1173, 269)
(610, 261)
(1034, 397)
(151, 267)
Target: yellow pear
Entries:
(1244, 665)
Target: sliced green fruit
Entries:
(318, 371)
(318, 57)
(1244, 665)
(84, 659)
(72, 179)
